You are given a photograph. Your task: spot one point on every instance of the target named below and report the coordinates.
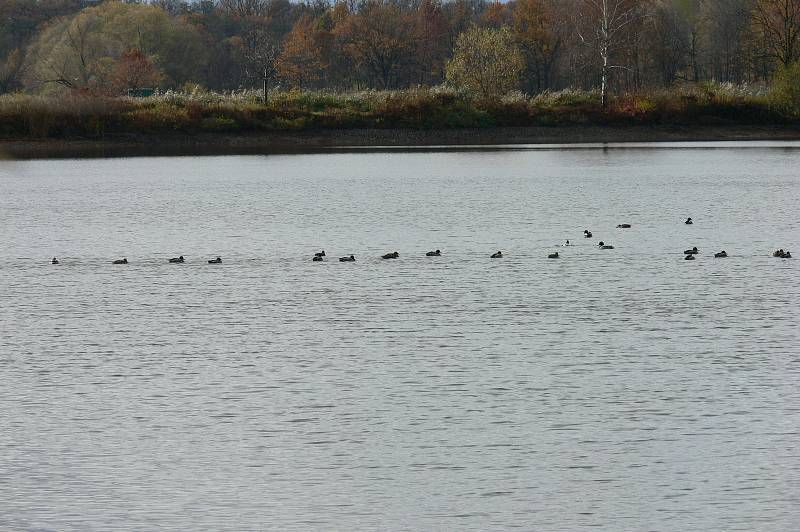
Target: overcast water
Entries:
(624, 389)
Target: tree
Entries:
(779, 23)
(173, 7)
(726, 40)
(260, 53)
(135, 71)
(496, 15)
(244, 8)
(486, 61)
(80, 52)
(605, 24)
(539, 33)
(687, 13)
(300, 61)
(431, 43)
(378, 40)
(64, 53)
(670, 41)
(10, 70)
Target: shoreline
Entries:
(337, 140)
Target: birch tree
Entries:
(606, 25)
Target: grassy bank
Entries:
(207, 114)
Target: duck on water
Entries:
(392, 255)
(498, 255)
(177, 260)
(603, 245)
(692, 251)
(120, 261)
(436, 253)
(351, 258)
(218, 260)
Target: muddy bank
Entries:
(348, 139)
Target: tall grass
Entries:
(198, 111)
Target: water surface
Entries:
(619, 390)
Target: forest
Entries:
(256, 64)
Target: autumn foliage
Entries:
(484, 47)
(134, 70)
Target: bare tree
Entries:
(244, 8)
(378, 39)
(260, 53)
(606, 24)
(779, 21)
(728, 49)
(173, 7)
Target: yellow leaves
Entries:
(485, 61)
(81, 52)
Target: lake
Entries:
(623, 389)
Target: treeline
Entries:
(110, 47)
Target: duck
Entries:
(553, 255)
(120, 261)
(392, 255)
(218, 260)
(498, 255)
(688, 257)
(567, 244)
(787, 255)
(436, 253)
(317, 258)
(351, 258)
(603, 245)
(688, 221)
(624, 226)
(721, 255)
(177, 259)
(587, 233)
(54, 261)
(320, 254)
(692, 251)
(779, 253)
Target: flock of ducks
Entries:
(320, 257)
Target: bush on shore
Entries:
(197, 111)
(785, 94)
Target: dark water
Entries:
(625, 389)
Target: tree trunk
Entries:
(265, 86)
(604, 49)
(604, 80)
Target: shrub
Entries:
(785, 93)
(219, 123)
(28, 116)
(161, 117)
